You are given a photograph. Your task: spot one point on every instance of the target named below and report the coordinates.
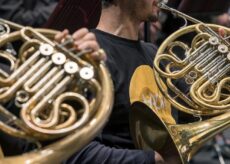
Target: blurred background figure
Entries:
(27, 12)
(74, 14)
(154, 30)
(223, 19)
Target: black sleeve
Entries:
(97, 153)
(20, 11)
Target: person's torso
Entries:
(124, 58)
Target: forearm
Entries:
(98, 153)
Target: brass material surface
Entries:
(191, 71)
(61, 94)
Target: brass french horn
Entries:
(62, 95)
(195, 80)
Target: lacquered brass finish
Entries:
(193, 76)
(61, 93)
(177, 143)
(202, 69)
(202, 63)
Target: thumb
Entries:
(221, 32)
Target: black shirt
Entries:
(124, 56)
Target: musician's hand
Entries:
(222, 32)
(83, 39)
(158, 158)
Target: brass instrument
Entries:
(202, 65)
(59, 92)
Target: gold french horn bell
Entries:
(195, 80)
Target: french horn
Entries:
(195, 80)
(61, 95)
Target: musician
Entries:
(127, 58)
(130, 64)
